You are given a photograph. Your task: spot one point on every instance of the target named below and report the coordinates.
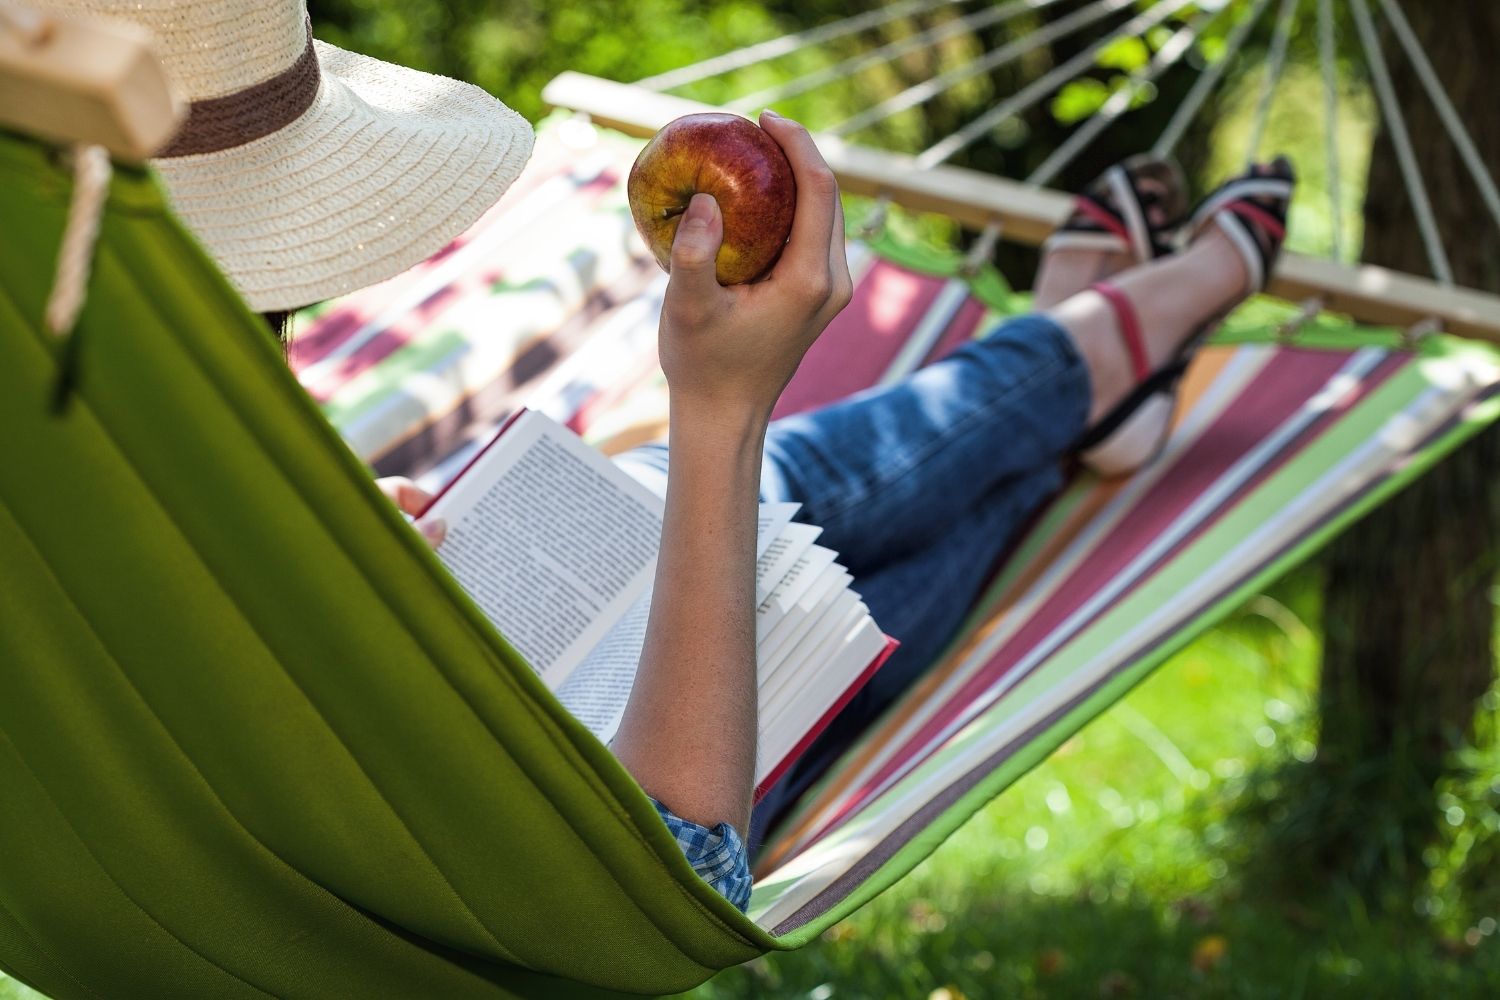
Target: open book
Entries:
(557, 545)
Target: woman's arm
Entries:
(689, 731)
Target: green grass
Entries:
(1117, 868)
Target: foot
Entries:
(1234, 242)
(1138, 333)
(1123, 219)
(1250, 212)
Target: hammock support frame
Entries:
(1026, 214)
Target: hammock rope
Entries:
(888, 53)
(1406, 155)
(923, 92)
(1327, 55)
(1444, 106)
(1171, 53)
(1275, 67)
(1166, 56)
(1028, 96)
(775, 48)
(1207, 82)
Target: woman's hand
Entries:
(411, 499)
(738, 346)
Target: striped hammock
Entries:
(1278, 446)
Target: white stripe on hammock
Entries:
(1245, 365)
(808, 875)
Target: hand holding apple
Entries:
(732, 349)
(737, 163)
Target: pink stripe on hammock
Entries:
(354, 313)
(859, 346)
(355, 310)
(1272, 396)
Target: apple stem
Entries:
(673, 212)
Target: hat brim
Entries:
(382, 171)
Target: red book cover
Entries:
(817, 730)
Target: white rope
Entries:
(941, 152)
(785, 44)
(923, 92)
(1275, 66)
(1310, 310)
(983, 249)
(1193, 103)
(985, 18)
(91, 172)
(1450, 117)
(1405, 155)
(1331, 121)
(1120, 102)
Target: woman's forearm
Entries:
(689, 732)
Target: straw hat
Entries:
(308, 171)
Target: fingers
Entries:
(838, 261)
(696, 248)
(817, 197)
(412, 500)
(408, 497)
(434, 529)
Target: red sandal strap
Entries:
(1130, 327)
(1087, 206)
(1260, 216)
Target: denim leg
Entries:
(920, 600)
(887, 472)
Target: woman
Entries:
(308, 171)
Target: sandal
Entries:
(1114, 214)
(1251, 210)
(1136, 430)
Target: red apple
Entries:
(736, 162)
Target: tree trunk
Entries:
(1408, 607)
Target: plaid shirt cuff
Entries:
(717, 855)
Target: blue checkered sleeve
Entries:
(717, 855)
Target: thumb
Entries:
(696, 246)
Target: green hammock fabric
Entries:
(253, 739)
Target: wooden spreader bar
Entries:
(1028, 214)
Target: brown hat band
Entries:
(220, 123)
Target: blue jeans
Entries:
(920, 487)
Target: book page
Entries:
(816, 693)
(780, 556)
(804, 573)
(819, 646)
(775, 521)
(599, 688)
(801, 619)
(551, 541)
